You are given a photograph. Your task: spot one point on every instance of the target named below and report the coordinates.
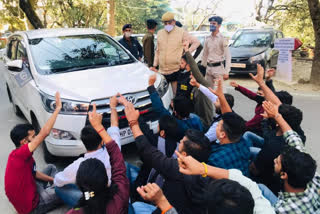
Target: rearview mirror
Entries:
(15, 65)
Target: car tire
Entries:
(15, 108)
(48, 157)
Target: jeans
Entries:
(48, 200)
(69, 194)
(268, 194)
(143, 208)
(256, 143)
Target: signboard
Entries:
(284, 65)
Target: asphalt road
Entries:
(308, 103)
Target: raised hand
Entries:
(58, 101)
(219, 90)
(189, 166)
(131, 113)
(259, 76)
(270, 73)
(234, 84)
(194, 82)
(122, 100)
(95, 118)
(152, 79)
(151, 192)
(114, 101)
(225, 76)
(270, 110)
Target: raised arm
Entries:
(223, 102)
(269, 95)
(45, 130)
(205, 54)
(114, 114)
(212, 97)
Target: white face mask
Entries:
(168, 28)
(127, 34)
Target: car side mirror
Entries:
(272, 45)
(15, 65)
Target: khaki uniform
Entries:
(216, 50)
(170, 49)
(148, 48)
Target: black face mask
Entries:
(218, 111)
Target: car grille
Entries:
(141, 101)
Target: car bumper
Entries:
(74, 124)
(248, 66)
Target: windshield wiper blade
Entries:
(81, 68)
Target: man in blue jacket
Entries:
(131, 43)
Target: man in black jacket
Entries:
(131, 43)
(180, 190)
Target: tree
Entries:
(28, 9)
(314, 8)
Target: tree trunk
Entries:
(314, 8)
(111, 24)
(26, 7)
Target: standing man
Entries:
(216, 55)
(170, 49)
(148, 42)
(131, 43)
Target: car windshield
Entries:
(79, 52)
(252, 39)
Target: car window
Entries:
(253, 39)
(21, 52)
(78, 52)
(12, 50)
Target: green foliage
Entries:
(12, 15)
(137, 12)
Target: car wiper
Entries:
(79, 68)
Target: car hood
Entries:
(98, 83)
(246, 51)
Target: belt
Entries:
(215, 64)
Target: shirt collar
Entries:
(95, 153)
(216, 36)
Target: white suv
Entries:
(86, 66)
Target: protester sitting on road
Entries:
(92, 178)
(181, 109)
(230, 192)
(65, 180)
(28, 189)
(211, 133)
(230, 150)
(165, 140)
(131, 43)
(296, 169)
(178, 188)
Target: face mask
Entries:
(213, 28)
(168, 28)
(217, 141)
(127, 34)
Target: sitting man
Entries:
(65, 180)
(27, 188)
(231, 150)
(178, 188)
(181, 109)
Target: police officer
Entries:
(216, 55)
(148, 42)
(131, 43)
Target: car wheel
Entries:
(48, 157)
(15, 108)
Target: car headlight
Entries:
(61, 134)
(68, 106)
(162, 87)
(257, 58)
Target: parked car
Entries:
(86, 66)
(252, 47)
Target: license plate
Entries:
(238, 65)
(126, 132)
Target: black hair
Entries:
(197, 145)
(151, 24)
(168, 124)
(299, 166)
(230, 99)
(225, 196)
(179, 24)
(90, 138)
(234, 126)
(292, 115)
(92, 177)
(19, 132)
(183, 106)
(284, 97)
(185, 58)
